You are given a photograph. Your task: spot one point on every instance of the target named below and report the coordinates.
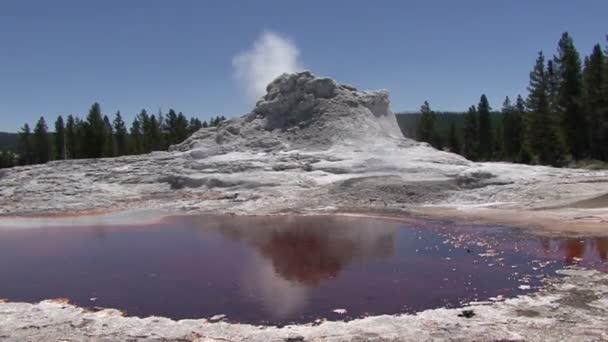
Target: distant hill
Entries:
(9, 141)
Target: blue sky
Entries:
(58, 57)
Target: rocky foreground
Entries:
(313, 145)
(572, 309)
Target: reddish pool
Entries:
(276, 270)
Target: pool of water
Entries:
(282, 269)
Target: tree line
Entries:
(7, 159)
(97, 136)
(564, 117)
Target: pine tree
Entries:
(214, 122)
(136, 137)
(155, 135)
(146, 131)
(7, 159)
(41, 142)
(94, 140)
(538, 106)
(171, 127)
(120, 132)
(454, 140)
(195, 125)
(25, 145)
(541, 127)
(498, 148)
(205, 124)
(426, 126)
(513, 128)
(70, 138)
(81, 135)
(552, 87)
(471, 130)
(574, 122)
(508, 114)
(162, 143)
(485, 129)
(60, 152)
(594, 101)
(109, 149)
(518, 135)
(181, 128)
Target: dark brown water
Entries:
(276, 270)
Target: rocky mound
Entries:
(302, 111)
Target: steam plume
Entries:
(270, 56)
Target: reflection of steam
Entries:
(279, 296)
(297, 253)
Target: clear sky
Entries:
(58, 57)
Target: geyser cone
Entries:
(302, 111)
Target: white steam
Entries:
(270, 56)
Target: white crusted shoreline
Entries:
(573, 308)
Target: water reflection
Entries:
(295, 254)
(573, 250)
(601, 246)
(305, 250)
(278, 296)
(279, 269)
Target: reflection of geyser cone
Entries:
(308, 249)
(306, 256)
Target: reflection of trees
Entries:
(601, 244)
(573, 249)
(307, 249)
(576, 248)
